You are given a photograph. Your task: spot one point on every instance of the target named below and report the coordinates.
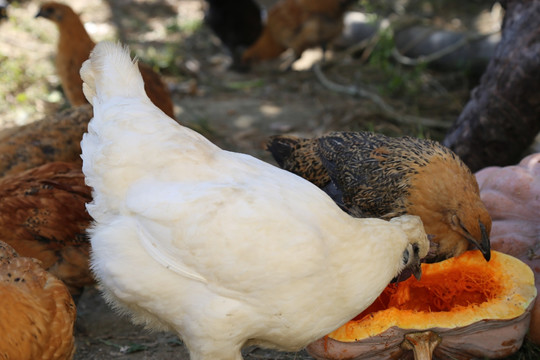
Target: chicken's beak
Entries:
(417, 270)
(416, 267)
(484, 246)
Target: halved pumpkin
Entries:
(463, 307)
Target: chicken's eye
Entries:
(406, 256)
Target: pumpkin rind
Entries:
(492, 329)
(512, 196)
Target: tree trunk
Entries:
(502, 117)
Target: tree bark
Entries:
(502, 117)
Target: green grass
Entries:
(186, 27)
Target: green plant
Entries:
(402, 80)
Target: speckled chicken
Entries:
(43, 216)
(74, 46)
(36, 311)
(56, 137)
(372, 175)
(297, 25)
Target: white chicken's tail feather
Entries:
(110, 72)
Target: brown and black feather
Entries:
(363, 163)
(43, 216)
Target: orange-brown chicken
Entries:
(36, 311)
(298, 25)
(43, 216)
(56, 137)
(372, 175)
(74, 46)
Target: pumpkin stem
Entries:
(422, 344)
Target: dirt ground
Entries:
(238, 111)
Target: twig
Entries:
(372, 42)
(387, 109)
(366, 45)
(425, 59)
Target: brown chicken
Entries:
(74, 46)
(298, 25)
(372, 175)
(43, 216)
(54, 138)
(36, 311)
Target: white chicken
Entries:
(224, 249)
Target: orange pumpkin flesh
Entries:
(452, 295)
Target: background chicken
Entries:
(245, 250)
(3, 9)
(237, 23)
(298, 25)
(372, 175)
(74, 46)
(36, 309)
(43, 216)
(56, 137)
